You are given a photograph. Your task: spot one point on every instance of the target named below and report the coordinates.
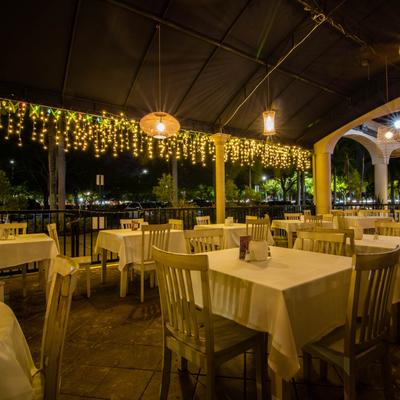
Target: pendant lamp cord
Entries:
(159, 67)
(387, 80)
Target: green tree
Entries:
(272, 189)
(231, 190)
(165, 189)
(5, 189)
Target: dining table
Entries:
(360, 223)
(16, 364)
(232, 233)
(295, 296)
(291, 226)
(127, 243)
(27, 248)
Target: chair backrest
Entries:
(313, 219)
(52, 229)
(250, 218)
(306, 212)
(374, 213)
(16, 228)
(341, 222)
(351, 212)
(321, 242)
(348, 235)
(176, 223)
(203, 220)
(387, 228)
(154, 235)
(258, 228)
(371, 292)
(204, 240)
(129, 223)
(55, 324)
(335, 213)
(292, 216)
(397, 215)
(182, 318)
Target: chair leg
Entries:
(387, 374)
(183, 365)
(141, 286)
(124, 282)
(24, 268)
(323, 370)
(307, 362)
(166, 373)
(349, 386)
(261, 367)
(87, 267)
(151, 279)
(210, 389)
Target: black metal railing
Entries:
(78, 229)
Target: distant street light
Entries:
(264, 178)
(12, 164)
(145, 171)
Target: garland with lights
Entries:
(117, 133)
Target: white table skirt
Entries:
(16, 364)
(128, 244)
(360, 222)
(25, 249)
(232, 233)
(296, 297)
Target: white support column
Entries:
(322, 181)
(381, 181)
(219, 141)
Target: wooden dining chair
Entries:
(129, 223)
(204, 240)
(396, 215)
(83, 262)
(352, 212)
(313, 219)
(47, 379)
(203, 220)
(306, 212)
(387, 228)
(250, 218)
(152, 235)
(258, 229)
(364, 336)
(321, 242)
(292, 216)
(194, 333)
(176, 224)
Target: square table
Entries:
(232, 233)
(128, 245)
(295, 296)
(24, 249)
(360, 223)
(291, 226)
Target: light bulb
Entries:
(160, 127)
(388, 135)
(397, 123)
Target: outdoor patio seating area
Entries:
(113, 350)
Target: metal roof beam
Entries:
(211, 56)
(213, 42)
(143, 59)
(70, 45)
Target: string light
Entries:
(118, 134)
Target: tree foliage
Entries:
(165, 189)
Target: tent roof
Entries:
(102, 54)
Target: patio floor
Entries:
(113, 350)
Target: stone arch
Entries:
(324, 148)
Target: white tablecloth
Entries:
(296, 296)
(232, 233)
(128, 244)
(16, 364)
(25, 249)
(360, 222)
(291, 226)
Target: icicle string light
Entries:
(118, 134)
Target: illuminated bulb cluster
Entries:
(118, 134)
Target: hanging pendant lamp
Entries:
(159, 124)
(269, 118)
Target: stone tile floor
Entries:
(113, 351)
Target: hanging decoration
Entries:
(118, 134)
(159, 125)
(269, 123)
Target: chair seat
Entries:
(147, 266)
(82, 260)
(329, 348)
(227, 334)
